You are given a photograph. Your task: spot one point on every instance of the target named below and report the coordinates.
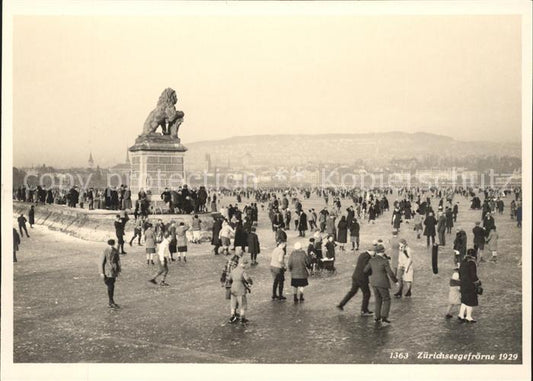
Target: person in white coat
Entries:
(405, 269)
(225, 235)
(491, 244)
(163, 258)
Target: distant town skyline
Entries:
(221, 156)
(120, 157)
(85, 84)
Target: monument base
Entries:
(157, 162)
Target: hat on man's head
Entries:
(380, 248)
(110, 242)
(403, 241)
(297, 246)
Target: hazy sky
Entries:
(83, 83)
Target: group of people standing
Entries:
(376, 269)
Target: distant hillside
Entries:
(375, 148)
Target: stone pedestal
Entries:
(156, 164)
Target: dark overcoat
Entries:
(429, 224)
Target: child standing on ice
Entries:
(454, 295)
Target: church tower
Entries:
(91, 161)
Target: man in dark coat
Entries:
(114, 199)
(298, 206)
(360, 281)
(354, 234)
(215, 239)
(109, 268)
(16, 243)
(350, 216)
(455, 211)
(167, 199)
(429, 230)
(241, 237)
(277, 221)
(449, 220)
(90, 198)
(22, 225)
(322, 219)
(253, 246)
(202, 199)
(281, 236)
(49, 196)
(479, 240)
(119, 231)
(31, 216)
(488, 223)
(302, 224)
(486, 209)
(380, 271)
(121, 191)
(441, 229)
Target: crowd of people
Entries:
(432, 213)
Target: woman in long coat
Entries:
(254, 247)
(241, 237)
(449, 220)
(492, 244)
(342, 233)
(302, 224)
(298, 265)
(429, 230)
(149, 244)
(469, 283)
(371, 213)
(329, 257)
(460, 245)
(181, 240)
(49, 196)
(396, 219)
(31, 216)
(330, 226)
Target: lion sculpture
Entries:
(165, 115)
